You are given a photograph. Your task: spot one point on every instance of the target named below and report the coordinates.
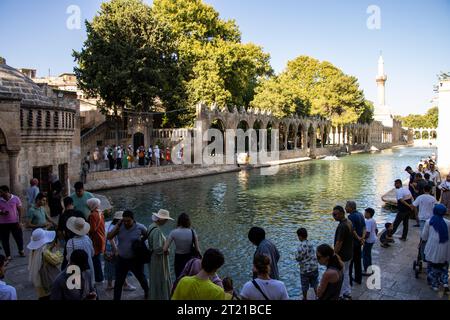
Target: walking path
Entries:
(398, 281)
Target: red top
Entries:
(97, 232)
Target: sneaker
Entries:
(385, 245)
(22, 254)
(435, 288)
(366, 274)
(129, 288)
(347, 297)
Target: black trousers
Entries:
(180, 263)
(356, 263)
(123, 266)
(402, 217)
(5, 230)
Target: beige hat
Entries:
(163, 215)
(78, 226)
(118, 215)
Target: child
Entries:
(228, 288)
(309, 267)
(371, 237)
(386, 235)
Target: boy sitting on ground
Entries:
(386, 235)
(309, 266)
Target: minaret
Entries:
(382, 112)
(381, 81)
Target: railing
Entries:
(171, 133)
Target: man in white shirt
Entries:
(423, 206)
(6, 292)
(404, 206)
(435, 176)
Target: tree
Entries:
(428, 120)
(216, 66)
(311, 87)
(129, 59)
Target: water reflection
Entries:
(224, 207)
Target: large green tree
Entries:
(216, 66)
(310, 87)
(129, 59)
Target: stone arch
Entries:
(311, 135)
(300, 139)
(258, 125)
(282, 135)
(220, 125)
(269, 126)
(292, 132)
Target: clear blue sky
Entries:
(414, 38)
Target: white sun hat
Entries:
(118, 215)
(163, 215)
(40, 237)
(78, 226)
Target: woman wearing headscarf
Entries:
(44, 264)
(98, 236)
(437, 250)
(159, 270)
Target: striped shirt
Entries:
(81, 243)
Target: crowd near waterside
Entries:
(73, 240)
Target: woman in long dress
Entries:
(159, 270)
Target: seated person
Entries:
(386, 235)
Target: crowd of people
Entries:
(120, 157)
(108, 253)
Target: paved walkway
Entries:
(398, 281)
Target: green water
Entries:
(224, 207)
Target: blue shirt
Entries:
(267, 248)
(7, 292)
(358, 221)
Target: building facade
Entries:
(39, 132)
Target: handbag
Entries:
(48, 274)
(141, 252)
(194, 250)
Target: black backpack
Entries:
(142, 253)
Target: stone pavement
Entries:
(398, 280)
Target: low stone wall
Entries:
(139, 176)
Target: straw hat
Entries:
(163, 215)
(118, 215)
(78, 226)
(39, 237)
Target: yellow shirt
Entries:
(194, 288)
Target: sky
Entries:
(412, 35)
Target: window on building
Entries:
(47, 119)
(30, 118)
(63, 174)
(43, 174)
(56, 120)
(39, 119)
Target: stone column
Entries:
(13, 172)
(304, 139)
